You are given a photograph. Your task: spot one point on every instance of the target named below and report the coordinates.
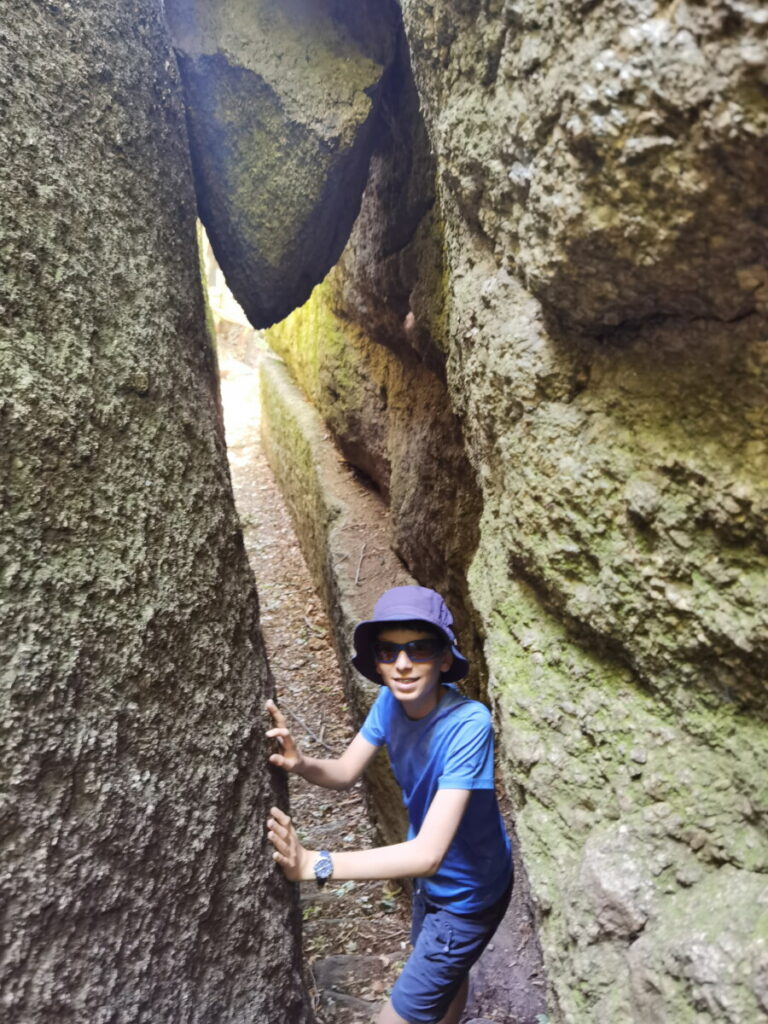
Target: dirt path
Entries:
(355, 934)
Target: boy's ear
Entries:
(447, 661)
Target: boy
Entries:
(441, 748)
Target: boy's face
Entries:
(415, 684)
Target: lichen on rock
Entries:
(614, 161)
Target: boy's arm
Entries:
(331, 773)
(416, 858)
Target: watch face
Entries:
(323, 866)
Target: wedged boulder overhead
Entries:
(281, 106)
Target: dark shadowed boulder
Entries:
(281, 103)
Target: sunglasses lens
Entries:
(385, 652)
(416, 650)
(423, 650)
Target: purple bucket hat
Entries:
(404, 604)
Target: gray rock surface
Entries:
(611, 155)
(607, 358)
(281, 103)
(134, 881)
(717, 964)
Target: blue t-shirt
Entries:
(450, 748)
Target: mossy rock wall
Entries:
(135, 886)
(337, 527)
(603, 218)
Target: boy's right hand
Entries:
(290, 757)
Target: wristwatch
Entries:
(323, 867)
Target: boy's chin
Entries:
(421, 691)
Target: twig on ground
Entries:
(315, 629)
(307, 729)
(359, 564)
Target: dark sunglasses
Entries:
(417, 650)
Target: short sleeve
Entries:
(373, 728)
(469, 754)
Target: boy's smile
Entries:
(415, 684)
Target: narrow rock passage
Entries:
(355, 934)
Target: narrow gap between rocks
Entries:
(355, 933)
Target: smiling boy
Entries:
(440, 745)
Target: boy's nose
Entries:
(403, 661)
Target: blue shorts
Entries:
(445, 946)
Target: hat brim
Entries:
(365, 663)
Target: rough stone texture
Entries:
(134, 883)
(618, 426)
(713, 966)
(281, 109)
(612, 154)
(390, 280)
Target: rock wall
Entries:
(600, 180)
(135, 884)
(592, 278)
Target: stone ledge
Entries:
(343, 531)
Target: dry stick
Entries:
(317, 630)
(306, 728)
(314, 990)
(359, 564)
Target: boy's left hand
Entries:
(293, 858)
